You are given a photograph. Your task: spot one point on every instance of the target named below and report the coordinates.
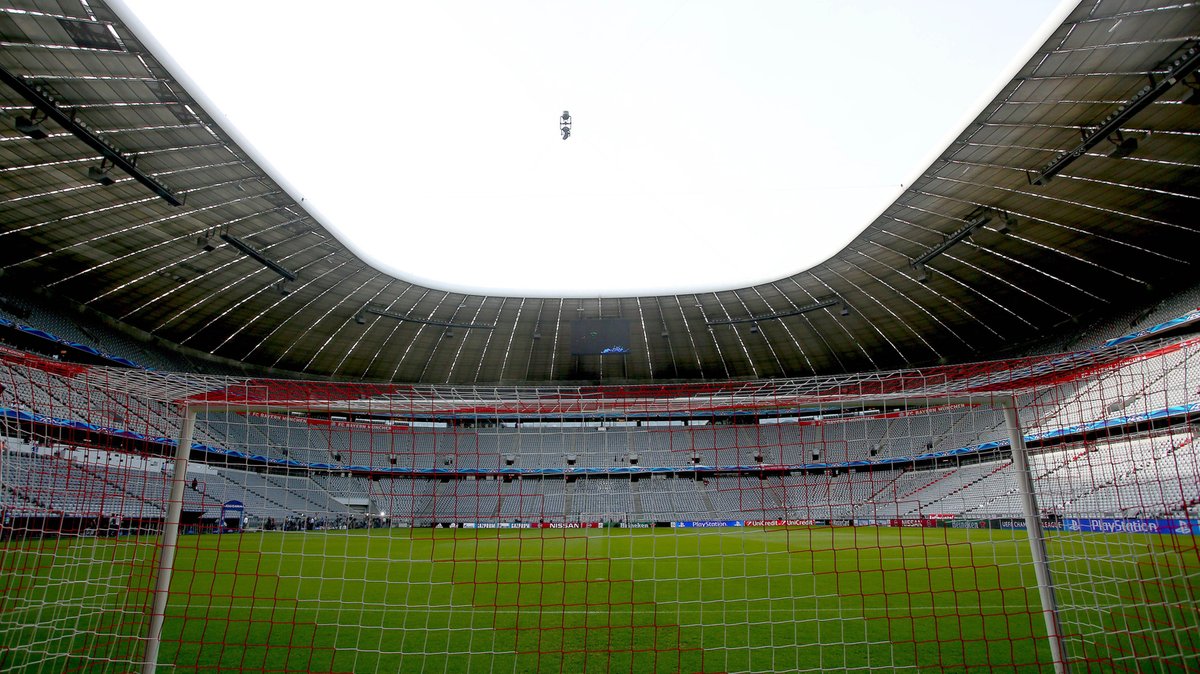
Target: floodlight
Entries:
(31, 126)
(818, 304)
(100, 173)
(978, 218)
(360, 318)
(1192, 97)
(1006, 223)
(845, 309)
(922, 273)
(1162, 78)
(204, 242)
(257, 256)
(1124, 146)
(377, 310)
(44, 103)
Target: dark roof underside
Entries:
(1104, 234)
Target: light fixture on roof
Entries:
(257, 256)
(360, 318)
(754, 328)
(845, 309)
(1005, 223)
(1175, 68)
(377, 310)
(1192, 97)
(1124, 146)
(813, 306)
(975, 220)
(204, 241)
(32, 126)
(68, 120)
(100, 173)
(282, 288)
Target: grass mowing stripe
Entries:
(628, 600)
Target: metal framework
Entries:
(977, 219)
(1176, 71)
(68, 120)
(376, 311)
(255, 254)
(1108, 234)
(820, 304)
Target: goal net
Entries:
(878, 521)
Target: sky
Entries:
(715, 145)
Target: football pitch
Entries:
(627, 600)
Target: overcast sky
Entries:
(715, 144)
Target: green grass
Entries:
(638, 600)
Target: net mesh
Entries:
(865, 522)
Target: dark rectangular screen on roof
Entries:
(599, 336)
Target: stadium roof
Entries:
(1071, 195)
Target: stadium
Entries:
(966, 442)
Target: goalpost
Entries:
(1036, 514)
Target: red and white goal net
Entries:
(876, 521)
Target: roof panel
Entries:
(1082, 243)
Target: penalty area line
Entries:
(722, 607)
